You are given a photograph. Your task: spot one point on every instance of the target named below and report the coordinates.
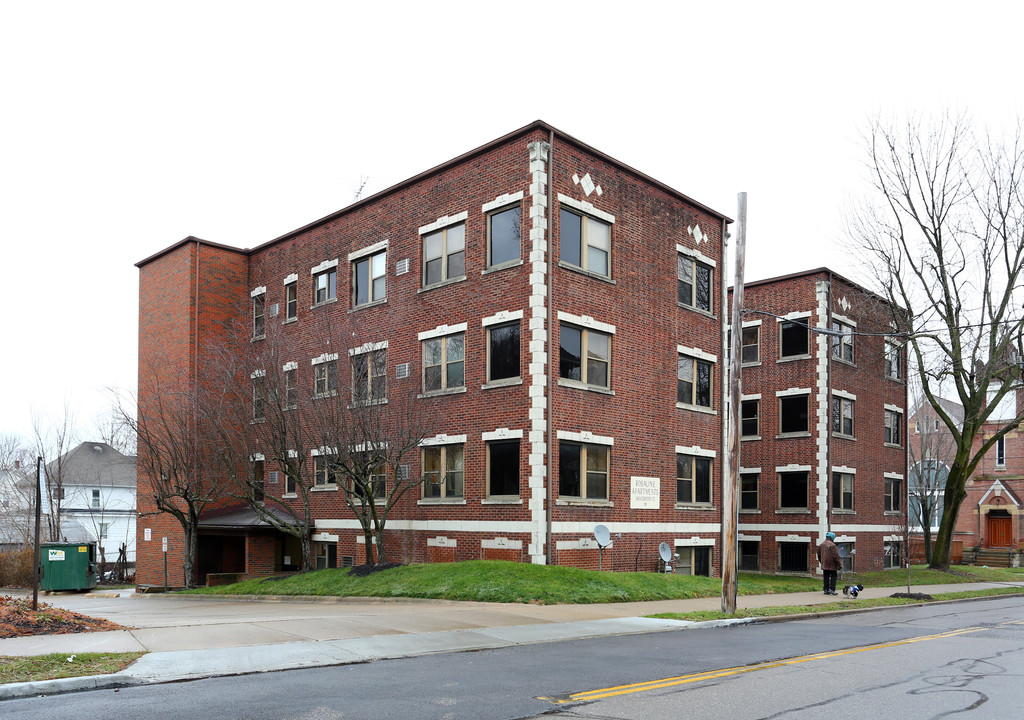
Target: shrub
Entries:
(16, 568)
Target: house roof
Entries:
(954, 409)
(95, 463)
(240, 518)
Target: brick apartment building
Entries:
(823, 429)
(461, 284)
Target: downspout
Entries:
(551, 353)
(828, 407)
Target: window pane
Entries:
(456, 239)
(504, 468)
(703, 383)
(702, 481)
(505, 236)
(794, 414)
(597, 486)
(504, 352)
(360, 377)
(432, 272)
(457, 264)
(432, 246)
(362, 282)
(569, 470)
(456, 374)
(597, 261)
(793, 490)
(794, 339)
(570, 237)
(684, 374)
(703, 300)
(570, 341)
(684, 267)
(432, 378)
(432, 352)
(456, 347)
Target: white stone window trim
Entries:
(892, 538)
(326, 357)
(443, 439)
(501, 201)
(748, 538)
(893, 408)
(257, 374)
(325, 265)
(844, 320)
(442, 330)
(324, 537)
(754, 396)
(293, 454)
(794, 316)
(745, 324)
(323, 450)
(261, 290)
(793, 538)
(584, 207)
(844, 394)
(695, 450)
(586, 321)
(749, 470)
(294, 277)
(502, 317)
(844, 469)
(694, 542)
(290, 366)
(586, 438)
(701, 257)
(257, 457)
(792, 392)
(444, 221)
(501, 543)
(364, 446)
(696, 353)
(501, 434)
(442, 541)
(368, 347)
(792, 467)
(368, 250)
(892, 475)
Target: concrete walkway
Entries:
(191, 636)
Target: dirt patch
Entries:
(912, 596)
(18, 619)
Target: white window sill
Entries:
(695, 506)
(289, 496)
(849, 363)
(374, 303)
(256, 338)
(441, 501)
(696, 408)
(801, 434)
(744, 438)
(793, 511)
(893, 512)
(503, 266)
(443, 283)
(287, 321)
(498, 500)
(843, 436)
(756, 363)
(893, 445)
(584, 502)
(328, 301)
(439, 393)
(792, 358)
(332, 393)
(699, 311)
(367, 403)
(329, 487)
(565, 382)
(749, 512)
(588, 273)
(504, 382)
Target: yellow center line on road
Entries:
(726, 672)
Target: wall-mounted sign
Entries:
(644, 493)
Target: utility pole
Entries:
(35, 553)
(730, 481)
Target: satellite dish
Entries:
(842, 551)
(665, 551)
(602, 535)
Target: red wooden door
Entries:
(999, 532)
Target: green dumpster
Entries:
(67, 566)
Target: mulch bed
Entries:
(17, 619)
(912, 596)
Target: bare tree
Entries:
(944, 235)
(17, 495)
(931, 453)
(53, 439)
(114, 431)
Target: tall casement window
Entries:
(794, 339)
(693, 480)
(444, 255)
(793, 414)
(256, 479)
(325, 375)
(693, 381)
(750, 418)
(291, 300)
(325, 285)
(749, 482)
(369, 282)
(893, 360)
(842, 490)
(842, 415)
(503, 352)
(893, 493)
(259, 309)
(376, 483)
(291, 386)
(325, 471)
(842, 344)
(584, 356)
(443, 468)
(694, 277)
(793, 490)
(893, 557)
(259, 396)
(585, 242)
(1001, 452)
(503, 468)
(369, 376)
(893, 425)
(750, 352)
(504, 236)
(444, 363)
(582, 471)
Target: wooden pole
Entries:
(730, 477)
(35, 553)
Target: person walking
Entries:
(828, 557)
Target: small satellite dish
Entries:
(842, 551)
(602, 535)
(665, 551)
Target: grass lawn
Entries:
(494, 581)
(60, 665)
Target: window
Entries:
(444, 254)
(104, 531)
(324, 471)
(793, 414)
(95, 499)
(291, 301)
(444, 363)
(291, 388)
(503, 236)
(694, 381)
(503, 352)
(749, 424)
(794, 339)
(893, 555)
(325, 286)
(503, 468)
(259, 306)
(326, 555)
(289, 484)
(893, 421)
(1001, 451)
(256, 481)
(259, 398)
(325, 378)
(376, 481)
(793, 490)
(892, 494)
(893, 358)
(694, 283)
(576, 343)
(443, 471)
(842, 344)
(585, 242)
(693, 480)
(748, 490)
(369, 376)
(842, 491)
(846, 558)
(693, 561)
(750, 552)
(369, 282)
(842, 415)
(793, 557)
(751, 344)
(582, 471)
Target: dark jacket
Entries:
(828, 556)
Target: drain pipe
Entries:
(551, 354)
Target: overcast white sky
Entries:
(126, 127)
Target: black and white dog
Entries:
(852, 591)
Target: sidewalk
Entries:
(193, 636)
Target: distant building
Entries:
(16, 517)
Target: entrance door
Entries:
(1000, 533)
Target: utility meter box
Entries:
(67, 566)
